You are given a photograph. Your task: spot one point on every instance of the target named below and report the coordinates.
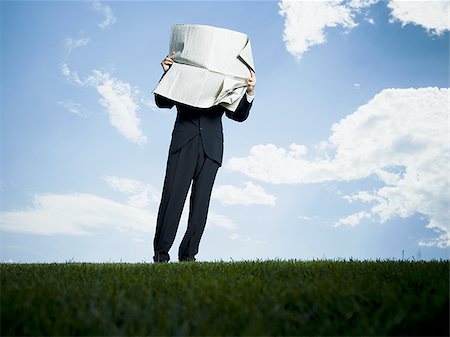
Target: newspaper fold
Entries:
(211, 66)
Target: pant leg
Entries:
(200, 196)
(180, 170)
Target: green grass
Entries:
(322, 297)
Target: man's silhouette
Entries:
(195, 155)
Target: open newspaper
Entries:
(211, 66)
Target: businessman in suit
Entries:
(195, 155)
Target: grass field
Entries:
(322, 297)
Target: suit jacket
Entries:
(207, 123)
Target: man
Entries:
(195, 155)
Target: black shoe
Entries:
(187, 259)
(161, 258)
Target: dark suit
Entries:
(195, 155)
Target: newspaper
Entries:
(211, 66)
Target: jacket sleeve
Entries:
(241, 112)
(163, 102)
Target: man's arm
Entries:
(246, 102)
(161, 101)
(242, 111)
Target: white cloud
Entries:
(118, 97)
(110, 18)
(432, 15)
(125, 185)
(120, 101)
(71, 44)
(359, 4)
(222, 221)
(275, 165)
(71, 75)
(353, 219)
(234, 236)
(140, 195)
(251, 194)
(370, 20)
(76, 214)
(400, 137)
(308, 218)
(305, 22)
(82, 214)
(73, 107)
(237, 237)
(441, 241)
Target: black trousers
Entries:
(190, 164)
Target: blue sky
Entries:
(345, 152)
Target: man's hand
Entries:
(167, 62)
(251, 82)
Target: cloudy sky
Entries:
(345, 153)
